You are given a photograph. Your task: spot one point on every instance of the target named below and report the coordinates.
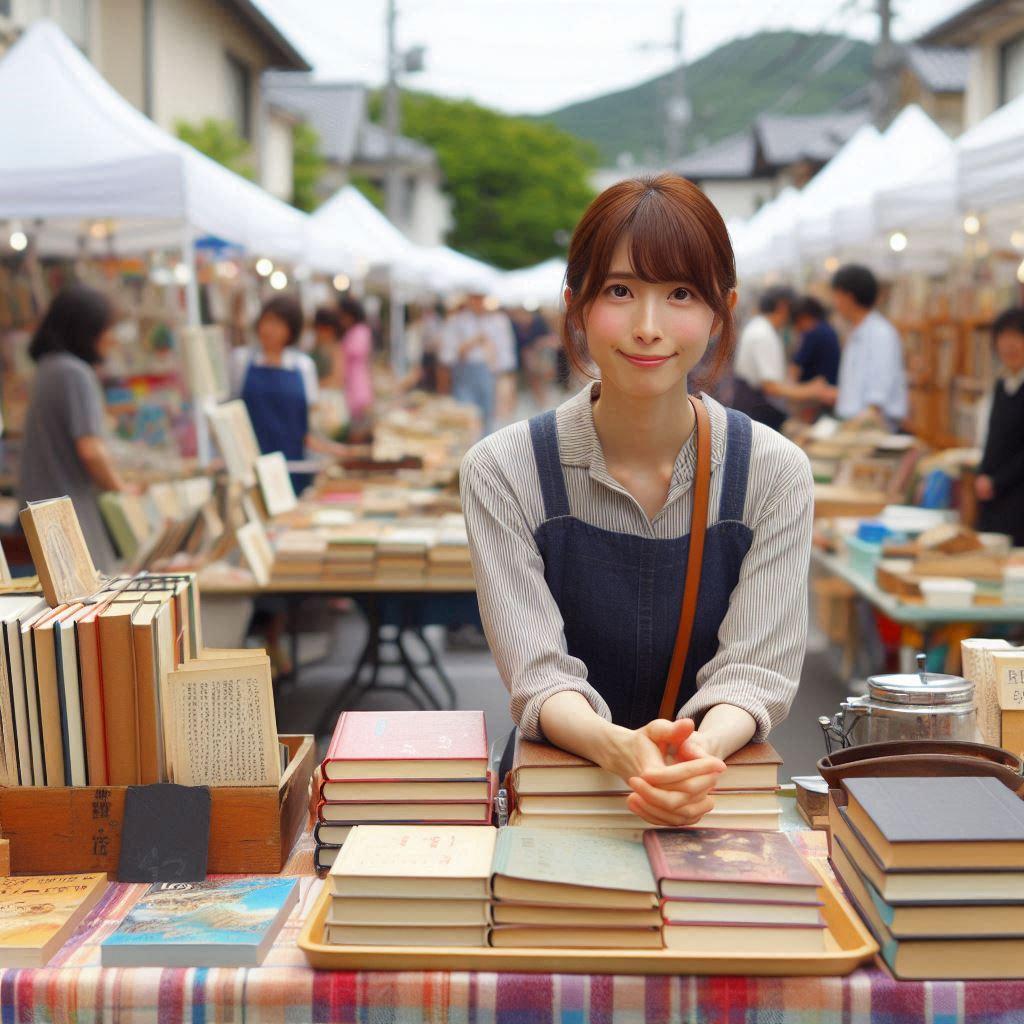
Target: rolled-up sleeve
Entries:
(763, 637)
(521, 620)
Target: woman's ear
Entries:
(733, 298)
(567, 295)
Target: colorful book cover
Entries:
(409, 735)
(727, 855)
(39, 913)
(229, 923)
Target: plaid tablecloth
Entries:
(73, 988)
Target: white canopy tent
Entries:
(844, 174)
(447, 270)
(535, 287)
(76, 152)
(768, 242)
(990, 159)
(909, 146)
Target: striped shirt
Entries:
(763, 636)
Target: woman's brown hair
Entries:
(675, 234)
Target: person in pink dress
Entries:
(352, 368)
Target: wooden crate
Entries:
(71, 829)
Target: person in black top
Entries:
(818, 354)
(1000, 482)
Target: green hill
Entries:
(780, 72)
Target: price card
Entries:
(1010, 679)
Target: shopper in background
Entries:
(352, 370)
(327, 332)
(1000, 483)
(64, 450)
(818, 352)
(872, 379)
(478, 351)
(761, 384)
(278, 384)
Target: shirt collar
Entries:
(1012, 383)
(579, 445)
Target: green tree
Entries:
(308, 166)
(369, 189)
(220, 141)
(515, 184)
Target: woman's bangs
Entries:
(665, 246)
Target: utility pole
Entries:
(392, 119)
(884, 63)
(678, 111)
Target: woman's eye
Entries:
(682, 294)
(618, 291)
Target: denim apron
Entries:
(276, 400)
(620, 594)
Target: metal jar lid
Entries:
(921, 687)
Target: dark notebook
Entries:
(166, 834)
(923, 810)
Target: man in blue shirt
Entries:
(818, 354)
(872, 380)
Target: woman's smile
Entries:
(648, 362)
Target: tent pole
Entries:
(396, 321)
(194, 319)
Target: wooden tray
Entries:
(70, 829)
(848, 944)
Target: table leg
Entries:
(435, 663)
(370, 655)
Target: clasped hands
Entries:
(670, 770)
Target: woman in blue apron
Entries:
(279, 386)
(580, 520)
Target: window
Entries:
(240, 95)
(5, 8)
(1011, 69)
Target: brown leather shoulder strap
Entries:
(694, 561)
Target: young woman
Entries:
(279, 386)
(1000, 481)
(579, 520)
(64, 450)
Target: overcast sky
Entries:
(537, 55)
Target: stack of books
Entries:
(402, 552)
(448, 558)
(735, 891)
(555, 789)
(351, 553)
(402, 767)
(411, 885)
(935, 867)
(586, 890)
(298, 555)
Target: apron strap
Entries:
(544, 435)
(737, 467)
(694, 560)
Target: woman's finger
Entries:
(648, 813)
(670, 774)
(663, 799)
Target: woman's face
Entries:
(273, 333)
(106, 343)
(645, 338)
(1010, 348)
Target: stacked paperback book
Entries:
(402, 767)
(558, 889)
(935, 867)
(412, 885)
(298, 555)
(448, 558)
(735, 892)
(402, 552)
(351, 552)
(555, 789)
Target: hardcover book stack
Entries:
(448, 558)
(558, 889)
(402, 552)
(935, 867)
(351, 553)
(298, 555)
(402, 767)
(412, 885)
(555, 789)
(735, 892)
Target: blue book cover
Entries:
(229, 923)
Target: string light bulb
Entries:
(897, 241)
(264, 267)
(972, 224)
(278, 280)
(19, 241)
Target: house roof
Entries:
(939, 68)
(731, 157)
(966, 25)
(338, 113)
(285, 54)
(786, 139)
